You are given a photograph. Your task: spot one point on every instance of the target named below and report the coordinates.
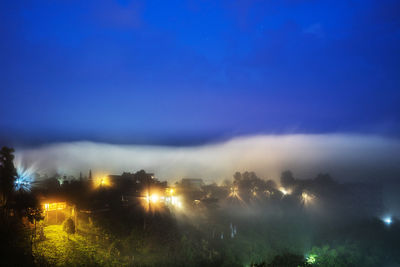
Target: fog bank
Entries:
(345, 157)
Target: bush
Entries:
(69, 226)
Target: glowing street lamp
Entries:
(102, 181)
(285, 191)
(311, 258)
(154, 198)
(387, 220)
(234, 192)
(307, 198)
(254, 191)
(169, 191)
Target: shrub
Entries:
(69, 226)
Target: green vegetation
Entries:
(342, 256)
(59, 250)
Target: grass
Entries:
(77, 250)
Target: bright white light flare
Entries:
(285, 191)
(307, 198)
(154, 198)
(387, 220)
(24, 178)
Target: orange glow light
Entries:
(54, 206)
(102, 181)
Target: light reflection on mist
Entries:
(345, 157)
(25, 175)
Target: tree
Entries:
(7, 173)
(287, 179)
(34, 215)
(348, 254)
(69, 227)
(26, 204)
(237, 177)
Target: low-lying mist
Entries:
(345, 157)
(318, 200)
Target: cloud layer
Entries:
(345, 157)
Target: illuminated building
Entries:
(53, 206)
(133, 184)
(56, 210)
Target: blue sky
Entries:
(187, 72)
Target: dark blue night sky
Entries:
(184, 72)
